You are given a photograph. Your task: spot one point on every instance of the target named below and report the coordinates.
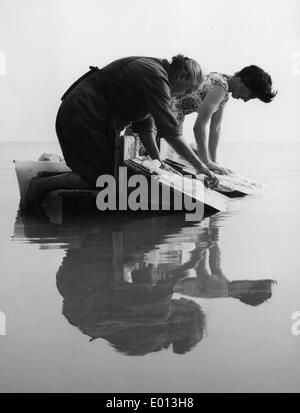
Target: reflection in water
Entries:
(119, 276)
(210, 281)
(108, 294)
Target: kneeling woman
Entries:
(99, 106)
(209, 102)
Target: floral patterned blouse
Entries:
(185, 105)
(188, 104)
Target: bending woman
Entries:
(209, 102)
(98, 107)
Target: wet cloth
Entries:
(97, 108)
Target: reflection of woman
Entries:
(117, 282)
(136, 317)
(212, 283)
(111, 291)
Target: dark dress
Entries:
(98, 107)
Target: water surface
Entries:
(154, 304)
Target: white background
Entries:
(46, 44)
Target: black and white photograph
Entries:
(150, 201)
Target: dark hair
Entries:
(259, 82)
(256, 294)
(186, 65)
(255, 299)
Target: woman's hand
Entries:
(214, 167)
(210, 179)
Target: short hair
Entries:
(258, 293)
(255, 299)
(183, 64)
(259, 82)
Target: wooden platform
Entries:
(128, 149)
(60, 204)
(77, 201)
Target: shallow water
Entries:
(155, 304)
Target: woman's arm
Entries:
(184, 150)
(215, 133)
(147, 133)
(208, 114)
(149, 141)
(148, 138)
(214, 138)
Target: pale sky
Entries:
(46, 44)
